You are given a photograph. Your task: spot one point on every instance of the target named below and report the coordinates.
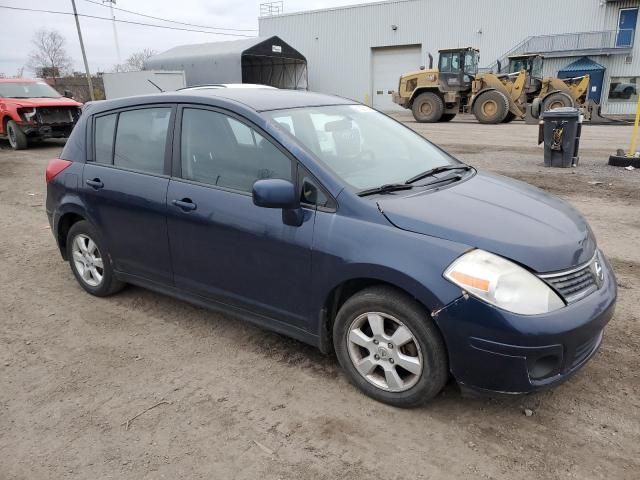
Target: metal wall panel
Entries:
(338, 42)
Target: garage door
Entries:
(388, 65)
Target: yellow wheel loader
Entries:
(546, 93)
(437, 95)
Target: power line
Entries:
(57, 12)
(173, 21)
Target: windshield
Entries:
(471, 63)
(363, 147)
(27, 90)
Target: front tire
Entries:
(17, 138)
(491, 107)
(428, 107)
(90, 261)
(389, 347)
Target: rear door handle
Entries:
(96, 183)
(186, 204)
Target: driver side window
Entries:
(219, 150)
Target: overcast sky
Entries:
(18, 27)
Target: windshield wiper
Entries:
(387, 188)
(433, 171)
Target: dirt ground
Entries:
(233, 402)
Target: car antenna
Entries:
(155, 85)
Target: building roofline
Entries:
(331, 9)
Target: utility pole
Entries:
(115, 32)
(84, 55)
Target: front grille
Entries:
(583, 351)
(56, 114)
(576, 283)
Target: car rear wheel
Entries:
(17, 138)
(390, 348)
(90, 262)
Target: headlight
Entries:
(502, 283)
(27, 113)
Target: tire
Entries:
(447, 117)
(83, 232)
(509, 118)
(491, 107)
(557, 100)
(379, 360)
(536, 107)
(17, 138)
(427, 108)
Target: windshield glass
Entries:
(363, 147)
(471, 63)
(27, 90)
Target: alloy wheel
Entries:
(87, 260)
(384, 351)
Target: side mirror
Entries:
(275, 193)
(67, 94)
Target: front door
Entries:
(223, 246)
(626, 27)
(125, 186)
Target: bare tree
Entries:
(49, 58)
(135, 62)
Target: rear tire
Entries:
(491, 107)
(427, 108)
(557, 100)
(17, 138)
(90, 262)
(447, 117)
(380, 331)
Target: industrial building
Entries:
(360, 51)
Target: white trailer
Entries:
(127, 84)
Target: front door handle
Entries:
(96, 183)
(186, 204)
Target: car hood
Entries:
(500, 215)
(45, 102)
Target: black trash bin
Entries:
(561, 129)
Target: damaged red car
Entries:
(31, 110)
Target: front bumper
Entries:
(396, 98)
(497, 351)
(43, 130)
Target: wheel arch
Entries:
(348, 287)
(68, 218)
(421, 90)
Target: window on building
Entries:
(219, 150)
(141, 139)
(623, 89)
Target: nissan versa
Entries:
(327, 221)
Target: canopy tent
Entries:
(267, 61)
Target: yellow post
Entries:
(634, 135)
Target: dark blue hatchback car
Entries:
(325, 220)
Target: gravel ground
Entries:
(227, 400)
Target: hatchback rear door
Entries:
(125, 187)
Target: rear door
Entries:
(222, 245)
(125, 188)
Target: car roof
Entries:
(257, 99)
(225, 85)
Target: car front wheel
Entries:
(390, 348)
